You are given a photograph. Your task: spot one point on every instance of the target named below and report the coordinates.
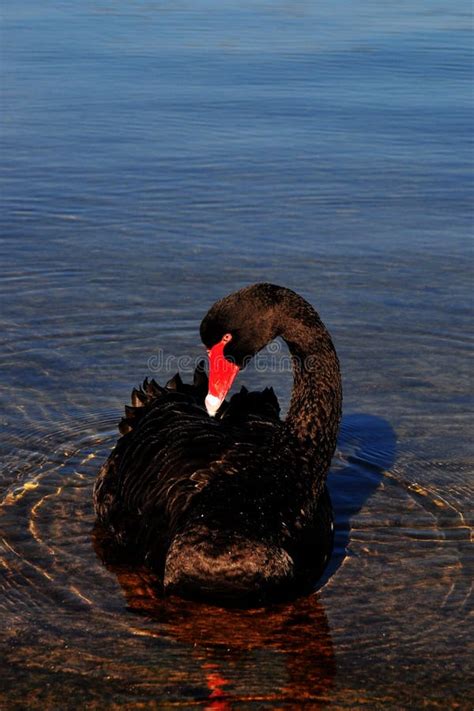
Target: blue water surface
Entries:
(154, 157)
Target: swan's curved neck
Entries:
(315, 408)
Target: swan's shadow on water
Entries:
(366, 448)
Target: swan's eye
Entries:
(226, 338)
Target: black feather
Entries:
(232, 507)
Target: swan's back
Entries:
(194, 494)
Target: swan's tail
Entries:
(199, 566)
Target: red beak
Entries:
(221, 376)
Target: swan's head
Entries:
(233, 331)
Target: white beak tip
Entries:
(212, 403)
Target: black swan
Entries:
(223, 499)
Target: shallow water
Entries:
(155, 157)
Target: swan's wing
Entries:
(145, 397)
(170, 451)
(110, 490)
(248, 406)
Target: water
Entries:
(156, 156)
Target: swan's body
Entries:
(233, 506)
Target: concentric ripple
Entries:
(56, 593)
(102, 625)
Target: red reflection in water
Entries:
(280, 653)
(216, 682)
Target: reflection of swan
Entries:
(236, 506)
(291, 641)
